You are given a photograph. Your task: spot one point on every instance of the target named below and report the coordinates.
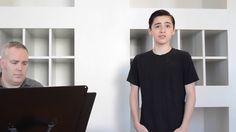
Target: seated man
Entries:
(14, 65)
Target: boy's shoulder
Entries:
(142, 57)
(180, 52)
(144, 54)
(173, 52)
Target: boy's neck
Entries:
(161, 49)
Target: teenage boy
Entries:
(166, 78)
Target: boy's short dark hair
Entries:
(160, 13)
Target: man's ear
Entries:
(2, 63)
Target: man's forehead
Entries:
(20, 55)
(17, 51)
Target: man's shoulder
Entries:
(31, 83)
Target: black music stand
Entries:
(46, 109)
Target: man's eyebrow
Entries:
(13, 60)
(25, 61)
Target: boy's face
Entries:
(14, 66)
(162, 30)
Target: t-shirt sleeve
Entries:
(133, 76)
(190, 74)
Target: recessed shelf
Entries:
(191, 41)
(174, 40)
(198, 63)
(37, 41)
(38, 70)
(63, 42)
(205, 4)
(210, 119)
(7, 35)
(62, 72)
(216, 43)
(216, 72)
(140, 41)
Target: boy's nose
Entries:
(163, 29)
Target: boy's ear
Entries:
(174, 31)
(149, 31)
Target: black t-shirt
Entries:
(162, 79)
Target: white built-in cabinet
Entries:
(51, 53)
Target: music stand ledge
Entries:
(55, 109)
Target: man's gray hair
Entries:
(11, 44)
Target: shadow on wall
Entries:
(122, 98)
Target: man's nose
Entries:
(19, 67)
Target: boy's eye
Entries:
(157, 26)
(168, 26)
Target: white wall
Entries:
(103, 62)
(102, 50)
(232, 63)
